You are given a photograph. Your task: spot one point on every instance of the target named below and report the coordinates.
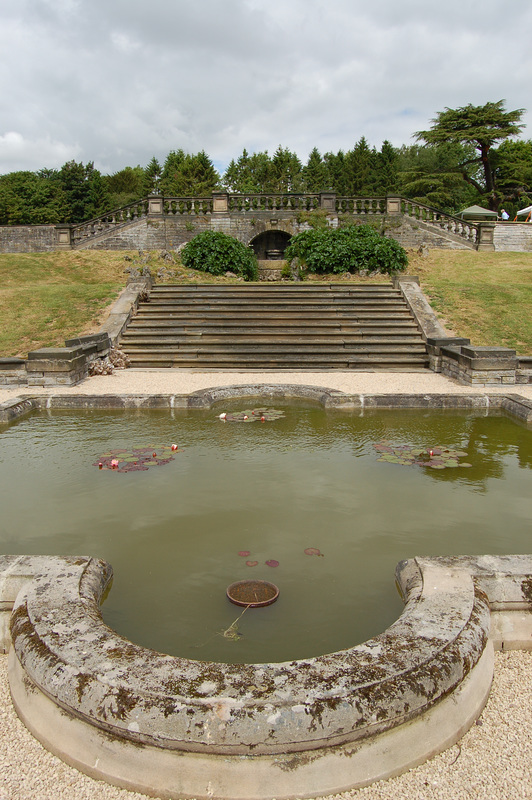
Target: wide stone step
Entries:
(264, 325)
(285, 289)
(204, 342)
(333, 337)
(345, 361)
(277, 318)
(275, 349)
(289, 303)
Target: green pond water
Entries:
(309, 480)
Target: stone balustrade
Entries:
(221, 210)
(274, 201)
(459, 227)
(358, 206)
(188, 205)
(96, 227)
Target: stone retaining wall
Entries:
(513, 236)
(27, 238)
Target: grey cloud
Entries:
(117, 82)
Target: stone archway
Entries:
(270, 245)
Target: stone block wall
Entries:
(474, 366)
(513, 236)
(27, 238)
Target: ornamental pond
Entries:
(323, 504)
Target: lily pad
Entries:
(272, 563)
(251, 563)
(136, 458)
(244, 553)
(434, 457)
(313, 551)
(253, 415)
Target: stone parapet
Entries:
(13, 372)
(476, 366)
(56, 366)
(524, 369)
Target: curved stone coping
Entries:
(134, 693)
(176, 728)
(513, 404)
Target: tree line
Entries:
(469, 155)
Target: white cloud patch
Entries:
(18, 153)
(116, 83)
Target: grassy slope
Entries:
(486, 297)
(48, 297)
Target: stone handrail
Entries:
(99, 225)
(273, 201)
(431, 216)
(188, 205)
(361, 205)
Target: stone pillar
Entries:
(155, 205)
(220, 202)
(56, 366)
(63, 237)
(328, 201)
(486, 231)
(393, 205)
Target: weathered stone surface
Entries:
(425, 317)
(68, 652)
(11, 410)
(174, 727)
(327, 398)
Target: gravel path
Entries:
(137, 381)
(491, 762)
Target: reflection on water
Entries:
(173, 533)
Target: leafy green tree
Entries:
(315, 174)
(360, 168)
(513, 173)
(428, 175)
(479, 126)
(336, 167)
(217, 253)
(125, 186)
(32, 198)
(285, 173)
(85, 194)
(152, 177)
(387, 169)
(248, 174)
(186, 175)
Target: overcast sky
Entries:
(118, 81)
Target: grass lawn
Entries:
(46, 298)
(486, 297)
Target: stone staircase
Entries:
(295, 327)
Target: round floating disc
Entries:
(252, 593)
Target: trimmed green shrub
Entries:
(348, 249)
(218, 253)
